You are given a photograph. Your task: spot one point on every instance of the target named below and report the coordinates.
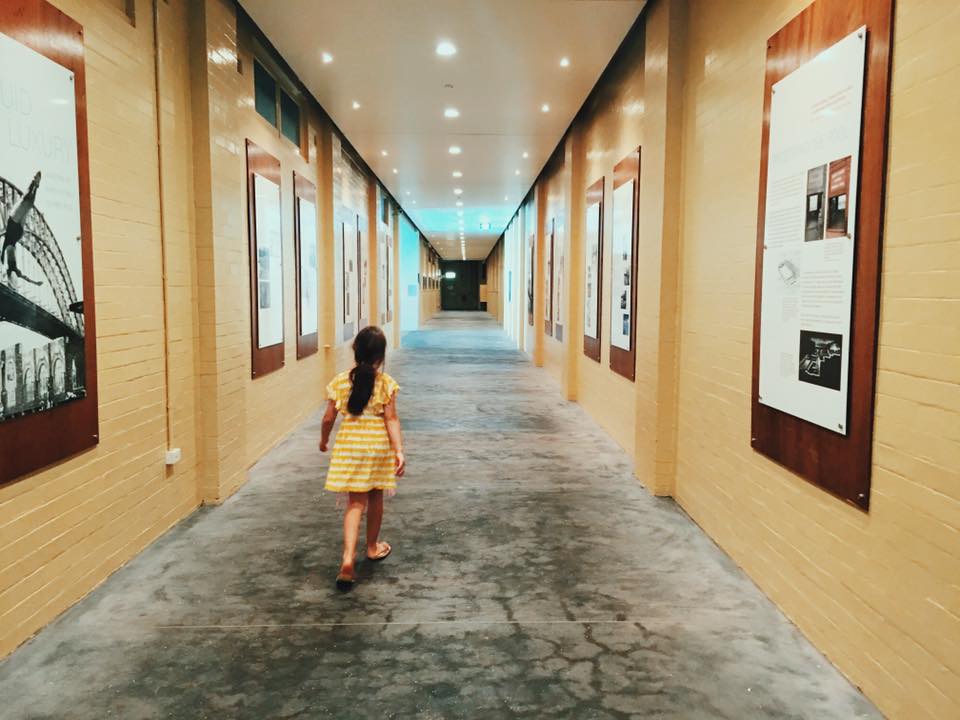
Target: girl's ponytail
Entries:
(363, 377)
(369, 349)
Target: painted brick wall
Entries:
(63, 530)
(878, 593)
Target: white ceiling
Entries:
(506, 67)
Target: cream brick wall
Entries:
(174, 355)
(64, 529)
(878, 593)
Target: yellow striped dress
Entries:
(363, 459)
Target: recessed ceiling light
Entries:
(455, 150)
(545, 108)
(451, 112)
(408, 192)
(383, 153)
(445, 48)
(506, 198)
(327, 58)
(458, 191)
(459, 203)
(525, 154)
(564, 62)
(356, 105)
(394, 171)
(457, 174)
(515, 172)
(414, 202)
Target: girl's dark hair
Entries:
(369, 349)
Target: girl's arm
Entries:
(393, 430)
(329, 418)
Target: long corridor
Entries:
(532, 576)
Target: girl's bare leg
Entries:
(351, 530)
(374, 520)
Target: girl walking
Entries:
(368, 453)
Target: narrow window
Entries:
(265, 94)
(289, 118)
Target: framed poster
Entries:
(548, 282)
(265, 240)
(558, 266)
(389, 251)
(363, 264)
(48, 379)
(350, 277)
(531, 244)
(306, 239)
(593, 270)
(623, 265)
(822, 166)
(808, 244)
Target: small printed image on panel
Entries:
(816, 190)
(837, 220)
(821, 355)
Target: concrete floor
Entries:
(531, 577)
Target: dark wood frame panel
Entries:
(624, 362)
(548, 286)
(531, 257)
(348, 327)
(260, 162)
(36, 441)
(591, 346)
(837, 463)
(303, 189)
(362, 322)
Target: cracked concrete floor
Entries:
(531, 577)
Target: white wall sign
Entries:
(41, 262)
(350, 274)
(308, 267)
(811, 203)
(269, 262)
(560, 259)
(621, 267)
(591, 272)
(364, 264)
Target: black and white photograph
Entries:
(820, 357)
(816, 190)
(41, 260)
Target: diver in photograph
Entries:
(14, 230)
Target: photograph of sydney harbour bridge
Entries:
(41, 310)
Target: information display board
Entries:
(48, 355)
(268, 238)
(819, 235)
(531, 244)
(809, 241)
(592, 270)
(350, 277)
(306, 240)
(265, 238)
(623, 265)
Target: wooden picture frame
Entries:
(362, 287)
(259, 162)
(624, 362)
(592, 345)
(548, 283)
(531, 259)
(839, 464)
(31, 442)
(303, 189)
